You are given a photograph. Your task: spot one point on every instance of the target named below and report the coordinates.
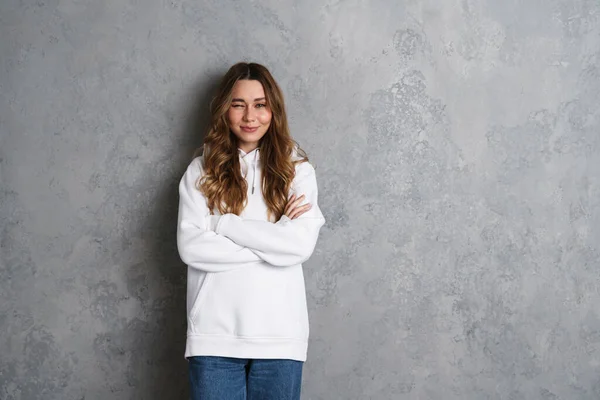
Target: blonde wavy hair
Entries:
(222, 182)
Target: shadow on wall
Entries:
(158, 355)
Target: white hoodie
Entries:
(245, 289)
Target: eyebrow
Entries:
(242, 100)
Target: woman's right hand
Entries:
(293, 209)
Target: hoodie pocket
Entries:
(199, 301)
(256, 301)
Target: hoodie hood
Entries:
(254, 154)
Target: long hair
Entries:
(222, 183)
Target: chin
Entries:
(252, 136)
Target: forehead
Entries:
(248, 90)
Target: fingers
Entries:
(301, 212)
(288, 206)
(297, 201)
(298, 211)
(293, 203)
(293, 209)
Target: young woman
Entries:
(248, 219)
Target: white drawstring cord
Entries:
(254, 176)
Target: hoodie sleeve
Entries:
(286, 242)
(199, 247)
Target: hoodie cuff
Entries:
(220, 223)
(212, 222)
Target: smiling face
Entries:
(249, 115)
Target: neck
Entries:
(247, 148)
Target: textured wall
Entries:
(457, 146)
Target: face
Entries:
(249, 116)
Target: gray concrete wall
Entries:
(457, 146)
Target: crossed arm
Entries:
(220, 243)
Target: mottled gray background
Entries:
(457, 146)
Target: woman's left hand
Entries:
(293, 209)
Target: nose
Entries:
(249, 114)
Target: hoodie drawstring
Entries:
(254, 176)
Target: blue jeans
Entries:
(224, 378)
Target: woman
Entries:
(248, 219)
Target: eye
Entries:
(237, 105)
(261, 105)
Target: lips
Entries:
(249, 128)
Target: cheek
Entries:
(232, 117)
(265, 117)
